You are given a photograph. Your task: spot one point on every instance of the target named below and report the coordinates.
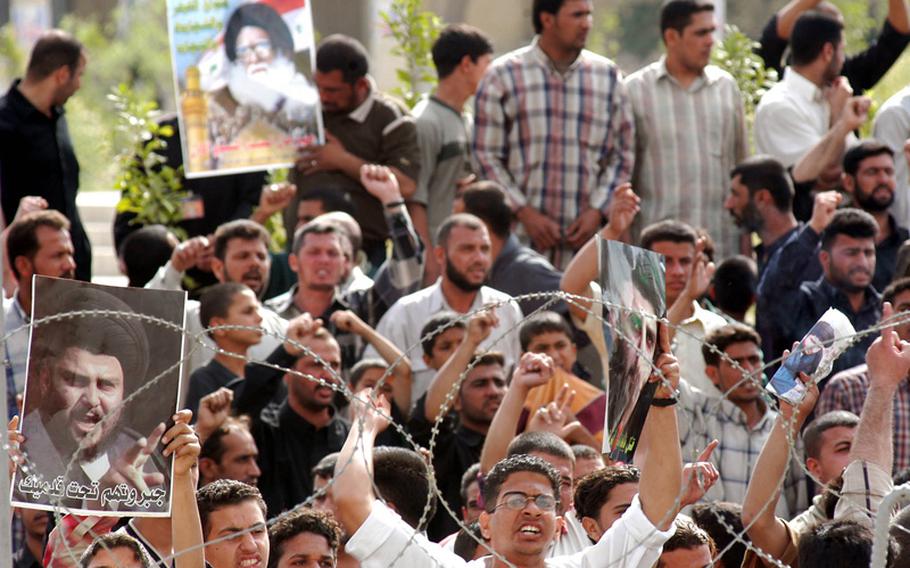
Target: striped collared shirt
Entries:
(558, 142)
(686, 142)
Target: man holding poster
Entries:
(86, 446)
(241, 67)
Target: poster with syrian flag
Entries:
(243, 78)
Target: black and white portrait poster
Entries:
(101, 389)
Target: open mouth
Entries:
(530, 530)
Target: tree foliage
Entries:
(736, 55)
(414, 31)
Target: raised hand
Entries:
(888, 358)
(347, 321)
(374, 415)
(699, 477)
(668, 365)
(480, 326)
(128, 467)
(188, 253)
(181, 442)
(826, 204)
(299, 329)
(533, 370)
(380, 182)
(556, 417)
(624, 206)
(214, 408)
(702, 273)
(274, 198)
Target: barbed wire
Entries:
(583, 303)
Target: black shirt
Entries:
(37, 158)
(456, 449)
(24, 559)
(206, 380)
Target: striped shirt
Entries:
(687, 141)
(560, 143)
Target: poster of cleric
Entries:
(101, 389)
(242, 73)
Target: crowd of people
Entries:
(435, 386)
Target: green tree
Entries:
(736, 55)
(414, 31)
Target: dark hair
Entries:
(331, 199)
(851, 222)
(466, 541)
(765, 172)
(455, 42)
(216, 301)
(428, 334)
(467, 478)
(542, 442)
(402, 479)
(144, 251)
(243, 229)
(457, 220)
(22, 235)
(540, 6)
(362, 366)
(838, 543)
(901, 477)
(213, 448)
(723, 337)
(812, 434)
(224, 493)
(585, 452)
(258, 15)
(895, 288)
(317, 227)
(516, 464)
(326, 466)
(53, 50)
(677, 14)
(300, 521)
(668, 231)
(487, 200)
(349, 228)
(539, 323)
(735, 283)
(488, 358)
(900, 535)
(706, 516)
(811, 32)
(114, 540)
(868, 148)
(342, 53)
(593, 490)
(688, 535)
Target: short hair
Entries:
(317, 227)
(213, 447)
(402, 478)
(455, 42)
(677, 14)
(668, 231)
(516, 464)
(688, 535)
(364, 365)
(457, 220)
(22, 236)
(593, 490)
(441, 320)
(299, 521)
(724, 337)
(766, 172)
(466, 541)
(487, 200)
(545, 443)
(900, 534)
(53, 50)
(489, 358)
(585, 452)
(216, 301)
(258, 15)
(735, 283)
(326, 466)
(242, 229)
(539, 323)
(812, 30)
(851, 222)
(343, 53)
(812, 434)
(838, 543)
(714, 518)
(331, 199)
(114, 540)
(895, 288)
(144, 251)
(467, 478)
(225, 493)
(349, 227)
(868, 148)
(541, 6)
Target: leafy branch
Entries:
(414, 31)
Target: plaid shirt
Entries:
(560, 143)
(703, 418)
(847, 391)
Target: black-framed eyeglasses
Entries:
(517, 501)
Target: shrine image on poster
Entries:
(242, 73)
(92, 423)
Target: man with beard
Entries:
(464, 251)
(363, 126)
(847, 256)
(263, 83)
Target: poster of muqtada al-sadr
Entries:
(243, 77)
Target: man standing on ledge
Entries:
(36, 154)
